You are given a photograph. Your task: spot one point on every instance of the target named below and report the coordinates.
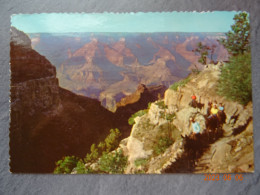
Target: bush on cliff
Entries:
(70, 163)
(110, 143)
(162, 144)
(131, 120)
(66, 165)
(114, 162)
(235, 80)
(82, 169)
(180, 83)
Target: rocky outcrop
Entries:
(141, 144)
(227, 149)
(154, 92)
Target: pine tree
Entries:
(237, 41)
(203, 51)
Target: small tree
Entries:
(113, 162)
(93, 155)
(112, 140)
(109, 144)
(235, 79)
(81, 168)
(237, 40)
(100, 151)
(66, 165)
(202, 50)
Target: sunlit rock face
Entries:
(214, 151)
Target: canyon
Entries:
(110, 66)
(62, 102)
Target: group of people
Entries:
(215, 117)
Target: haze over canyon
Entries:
(110, 66)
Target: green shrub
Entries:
(109, 144)
(141, 162)
(162, 144)
(82, 169)
(112, 140)
(235, 80)
(66, 165)
(161, 105)
(113, 162)
(162, 114)
(131, 120)
(169, 117)
(149, 105)
(180, 83)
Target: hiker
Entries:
(195, 128)
(221, 115)
(193, 102)
(213, 111)
(212, 120)
(221, 107)
(209, 108)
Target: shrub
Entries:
(69, 163)
(180, 83)
(235, 79)
(113, 162)
(149, 105)
(112, 140)
(131, 120)
(81, 168)
(162, 114)
(170, 117)
(162, 144)
(109, 144)
(141, 162)
(93, 155)
(161, 105)
(66, 165)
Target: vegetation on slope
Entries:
(131, 120)
(235, 80)
(105, 159)
(180, 83)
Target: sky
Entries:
(219, 21)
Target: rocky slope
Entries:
(228, 149)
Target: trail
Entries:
(195, 150)
(225, 148)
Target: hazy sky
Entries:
(218, 21)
